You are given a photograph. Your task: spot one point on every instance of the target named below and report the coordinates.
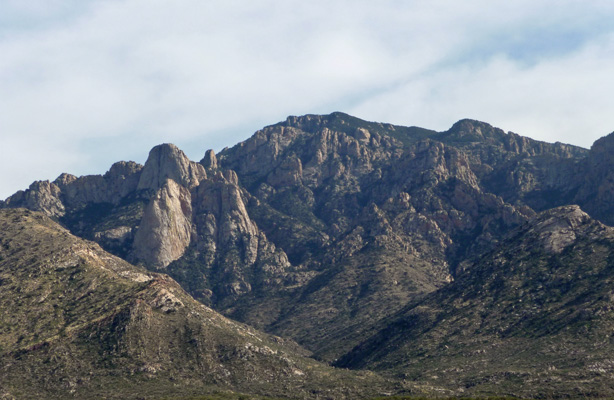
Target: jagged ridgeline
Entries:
(323, 228)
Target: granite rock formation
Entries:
(322, 226)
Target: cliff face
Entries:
(165, 229)
(595, 189)
(327, 219)
(229, 257)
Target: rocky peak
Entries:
(123, 169)
(468, 130)
(209, 161)
(311, 122)
(122, 179)
(166, 161)
(65, 179)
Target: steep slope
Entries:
(594, 183)
(77, 322)
(533, 318)
(318, 226)
(380, 214)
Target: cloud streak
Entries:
(84, 84)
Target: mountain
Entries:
(77, 322)
(533, 317)
(327, 219)
(323, 229)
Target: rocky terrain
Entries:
(325, 228)
(78, 322)
(533, 317)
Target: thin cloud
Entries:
(87, 83)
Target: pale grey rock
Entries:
(83, 190)
(166, 161)
(121, 234)
(558, 228)
(362, 135)
(165, 229)
(121, 180)
(229, 241)
(220, 201)
(289, 172)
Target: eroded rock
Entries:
(165, 229)
(166, 161)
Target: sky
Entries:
(86, 83)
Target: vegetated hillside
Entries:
(77, 322)
(318, 227)
(534, 317)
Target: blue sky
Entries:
(86, 83)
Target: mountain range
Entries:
(470, 261)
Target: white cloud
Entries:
(115, 78)
(562, 99)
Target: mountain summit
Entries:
(332, 231)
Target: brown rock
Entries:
(289, 172)
(209, 161)
(40, 196)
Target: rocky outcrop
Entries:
(166, 161)
(120, 181)
(233, 255)
(557, 229)
(305, 150)
(69, 192)
(41, 196)
(288, 173)
(209, 161)
(594, 182)
(165, 228)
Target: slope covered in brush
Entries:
(534, 317)
(77, 322)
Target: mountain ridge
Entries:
(321, 228)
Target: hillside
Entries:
(78, 322)
(533, 317)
